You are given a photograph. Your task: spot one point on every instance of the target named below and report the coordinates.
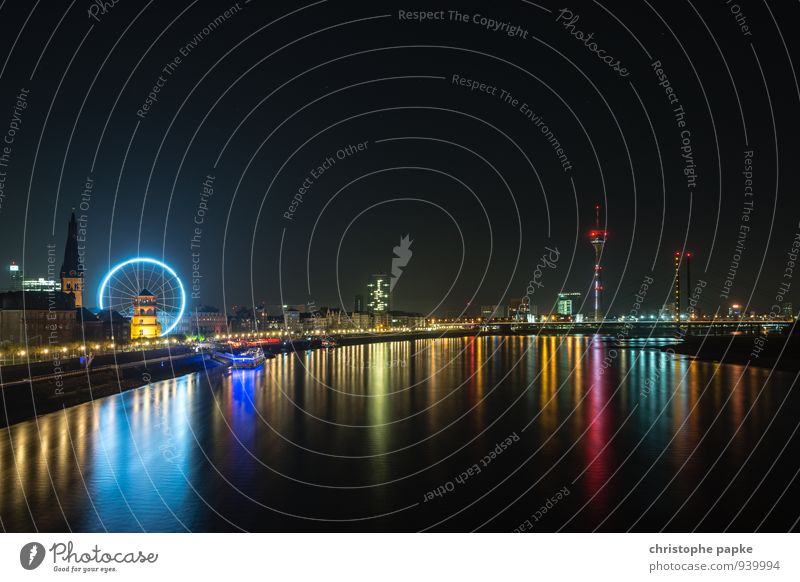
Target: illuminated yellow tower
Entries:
(144, 322)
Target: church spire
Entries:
(69, 268)
(71, 271)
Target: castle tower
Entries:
(144, 321)
(71, 269)
(598, 239)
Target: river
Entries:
(490, 433)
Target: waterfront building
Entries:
(381, 320)
(144, 322)
(335, 318)
(291, 319)
(114, 327)
(406, 320)
(203, 321)
(491, 312)
(361, 320)
(37, 318)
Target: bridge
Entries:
(629, 328)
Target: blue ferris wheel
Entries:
(130, 279)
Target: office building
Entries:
(14, 277)
(568, 303)
(378, 296)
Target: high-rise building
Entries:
(14, 277)
(358, 304)
(598, 239)
(71, 271)
(144, 321)
(378, 295)
(787, 311)
(568, 303)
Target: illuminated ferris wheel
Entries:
(140, 282)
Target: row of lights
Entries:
(83, 347)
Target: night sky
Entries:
(259, 101)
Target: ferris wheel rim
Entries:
(151, 261)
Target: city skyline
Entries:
(359, 268)
(651, 208)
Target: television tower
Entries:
(598, 240)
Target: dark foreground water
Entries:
(452, 434)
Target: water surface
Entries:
(359, 438)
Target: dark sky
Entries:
(272, 91)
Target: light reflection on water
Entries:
(366, 430)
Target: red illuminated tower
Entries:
(598, 239)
